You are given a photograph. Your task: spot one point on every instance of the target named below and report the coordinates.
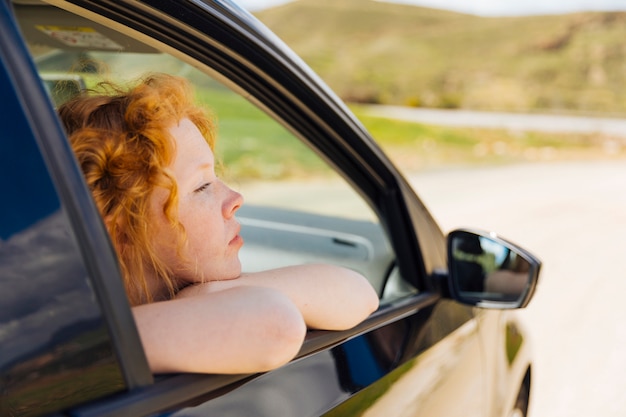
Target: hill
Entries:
(376, 52)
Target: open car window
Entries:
(297, 209)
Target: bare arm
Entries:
(329, 297)
(239, 330)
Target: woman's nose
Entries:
(233, 201)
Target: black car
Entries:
(445, 340)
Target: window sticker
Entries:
(80, 37)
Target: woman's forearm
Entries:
(240, 330)
(329, 297)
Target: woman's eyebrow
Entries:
(205, 166)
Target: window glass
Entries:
(51, 328)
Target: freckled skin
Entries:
(206, 208)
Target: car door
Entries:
(414, 353)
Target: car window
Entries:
(298, 209)
(51, 326)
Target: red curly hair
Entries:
(122, 142)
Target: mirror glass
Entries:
(488, 269)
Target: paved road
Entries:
(516, 122)
(573, 215)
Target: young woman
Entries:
(147, 156)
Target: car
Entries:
(446, 339)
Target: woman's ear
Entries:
(116, 232)
(110, 224)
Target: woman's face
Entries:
(206, 209)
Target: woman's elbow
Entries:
(361, 300)
(363, 295)
(370, 300)
(362, 307)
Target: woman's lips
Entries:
(237, 240)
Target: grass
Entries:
(378, 52)
(417, 146)
(253, 146)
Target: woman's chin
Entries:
(233, 272)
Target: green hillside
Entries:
(375, 52)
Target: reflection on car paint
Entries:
(426, 385)
(40, 336)
(513, 341)
(280, 392)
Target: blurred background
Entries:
(505, 116)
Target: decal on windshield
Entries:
(80, 37)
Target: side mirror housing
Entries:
(487, 271)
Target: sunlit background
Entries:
(506, 116)
(487, 7)
(403, 68)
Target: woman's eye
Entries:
(202, 188)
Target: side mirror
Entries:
(488, 271)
